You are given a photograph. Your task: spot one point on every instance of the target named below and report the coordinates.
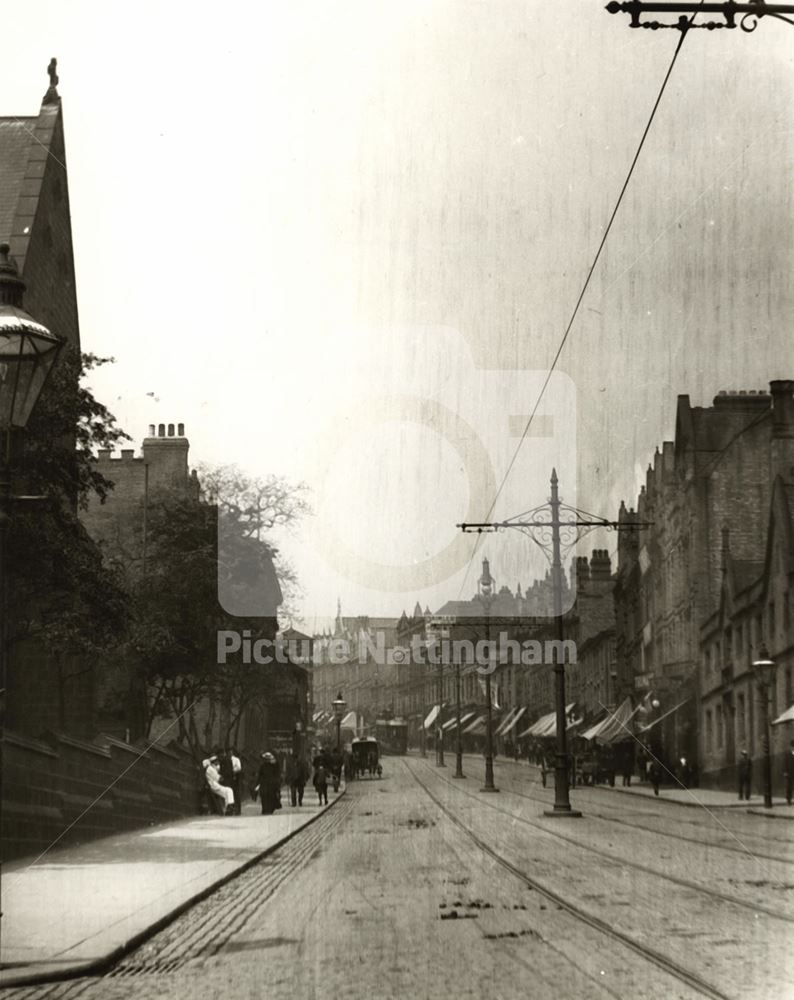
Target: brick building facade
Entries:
(754, 609)
(718, 473)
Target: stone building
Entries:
(718, 472)
(34, 212)
(45, 690)
(353, 659)
(754, 609)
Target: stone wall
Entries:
(62, 791)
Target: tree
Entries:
(60, 589)
(177, 614)
(255, 507)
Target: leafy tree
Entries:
(60, 590)
(255, 507)
(177, 614)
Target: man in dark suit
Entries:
(745, 771)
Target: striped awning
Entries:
(463, 719)
(477, 727)
(509, 722)
(431, 716)
(787, 716)
(615, 727)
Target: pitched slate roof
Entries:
(15, 139)
(25, 154)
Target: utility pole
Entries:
(554, 518)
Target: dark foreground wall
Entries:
(67, 790)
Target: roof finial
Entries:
(52, 97)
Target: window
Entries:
(741, 725)
(771, 619)
(719, 727)
(706, 662)
(739, 642)
(709, 732)
(786, 611)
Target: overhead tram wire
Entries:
(585, 286)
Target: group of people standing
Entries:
(223, 776)
(223, 773)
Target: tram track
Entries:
(656, 958)
(714, 894)
(744, 852)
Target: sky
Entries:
(341, 243)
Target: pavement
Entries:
(713, 798)
(78, 910)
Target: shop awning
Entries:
(787, 716)
(538, 724)
(506, 721)
(644, 727)
(463, 719)
(614, 727)
(510, 722)
(478, 725)
(431, 716)
(350, 721)
(546, 725)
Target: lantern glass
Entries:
(339, 706)
(27, 353)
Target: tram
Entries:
(392, 736)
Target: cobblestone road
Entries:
(418, 886)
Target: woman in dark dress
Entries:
(269, 781)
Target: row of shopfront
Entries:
(623, 741)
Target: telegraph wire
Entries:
(585, 286)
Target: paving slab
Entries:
(79, 909)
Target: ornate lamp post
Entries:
(27, 353)
(339, 705)
(485, 593)
(764, 668)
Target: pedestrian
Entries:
(301, 779)
(321, 783)
(212, 775)
(654, 776)
(628, 765)
(789, 772)
(236, 778)
(290, 774)
(543, 769)
(269, 784)
(745, 774)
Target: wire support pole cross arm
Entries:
(750, 13)
(491, 526)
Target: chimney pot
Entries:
(170, 430)
(180, 430)
(161, 430)
(151, 430)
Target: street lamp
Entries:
(485, 592)
(27, 353)
(339, 705)
(440, 716)
(764, 668)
